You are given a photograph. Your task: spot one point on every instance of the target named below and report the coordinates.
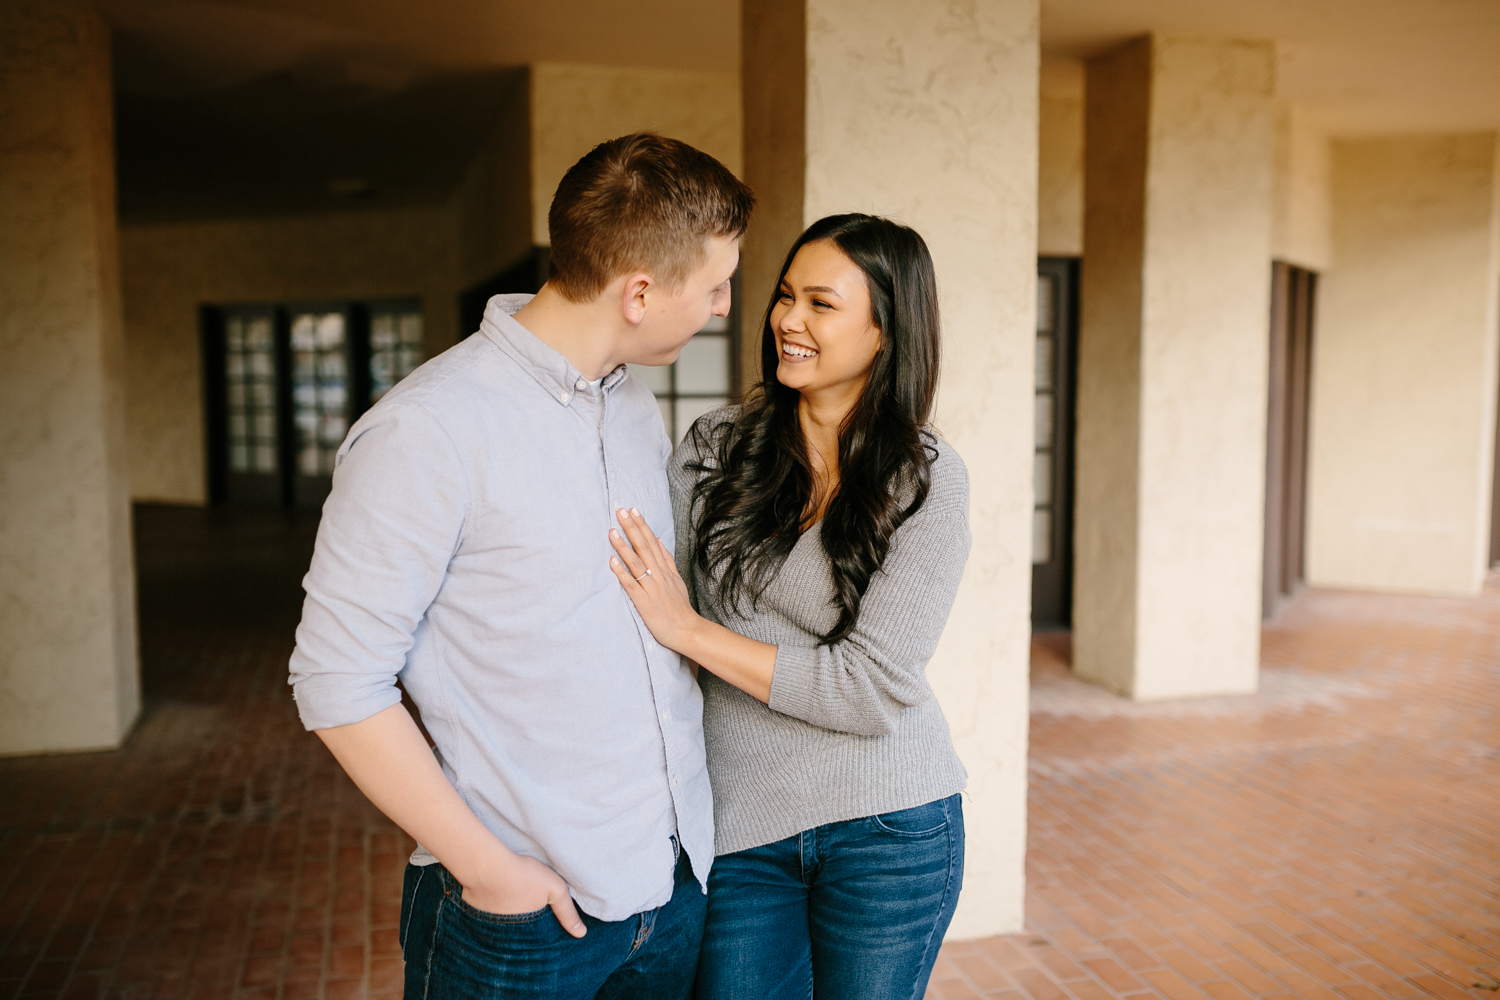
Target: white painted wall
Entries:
(1404, 367)
(1301, 205)
(69, 668)
(1060, 159)
(1172, 367)
(928, 114)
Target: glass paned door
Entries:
(1052, 468)
(395, 346)
(320, 398)
(250, 400)
(284, 384)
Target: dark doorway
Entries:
(1056, 380)
(284, 382)
(1293, 294)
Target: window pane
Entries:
(1044, 294)
(411, 329)
(1041, 536)
(1042, 478)
(689, 410)
(657, 378)
(320, 391)
(703, 365)
(330, 331)
(250, 371)
(382, 330)
(303, 337)
(1044, 420)
(1044, 364)
(258, 334)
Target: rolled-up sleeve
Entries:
(389, 529)
(861, 683)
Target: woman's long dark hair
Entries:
(756, 492)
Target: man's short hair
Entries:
(641, 202)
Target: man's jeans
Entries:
(848, 911)
(455, 952)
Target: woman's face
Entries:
(826, 337)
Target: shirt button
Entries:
(580, 385)
(563, 396)
(674, 782)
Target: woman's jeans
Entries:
(455, 952)
(848, 911)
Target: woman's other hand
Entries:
(648, 572)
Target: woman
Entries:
(822, 531)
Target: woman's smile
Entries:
(797, 353)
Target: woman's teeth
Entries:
(793, 350)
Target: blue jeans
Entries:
(848, 911)
(455, 952)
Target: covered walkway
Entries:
(1338, 834)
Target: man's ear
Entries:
(633, 297)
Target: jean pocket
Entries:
(454, 894)
(919, 821)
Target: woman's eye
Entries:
(821, 304)
(783, 296)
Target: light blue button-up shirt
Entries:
(464, 549)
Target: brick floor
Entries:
(1336, 836)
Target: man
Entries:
(563, 817)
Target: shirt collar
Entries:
(551, 370)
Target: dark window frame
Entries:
(1052, 581)
(1288, 404)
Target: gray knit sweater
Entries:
(852, 730)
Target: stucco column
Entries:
(1172, 367)
(68, 665)
(1404, 367)
(929, 115)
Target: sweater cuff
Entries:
(792, 681)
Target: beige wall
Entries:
(1060, 159)
(574, 108)
(1301, 193)
(69, 675)
(1404, 367)
(929, 115)
(171, 269)
(1172, 367)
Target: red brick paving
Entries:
(1343, 847)
(1339, 842)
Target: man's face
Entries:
(673, 317)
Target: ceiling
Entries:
(1362, 66)
(259, 107)
(234, 107)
